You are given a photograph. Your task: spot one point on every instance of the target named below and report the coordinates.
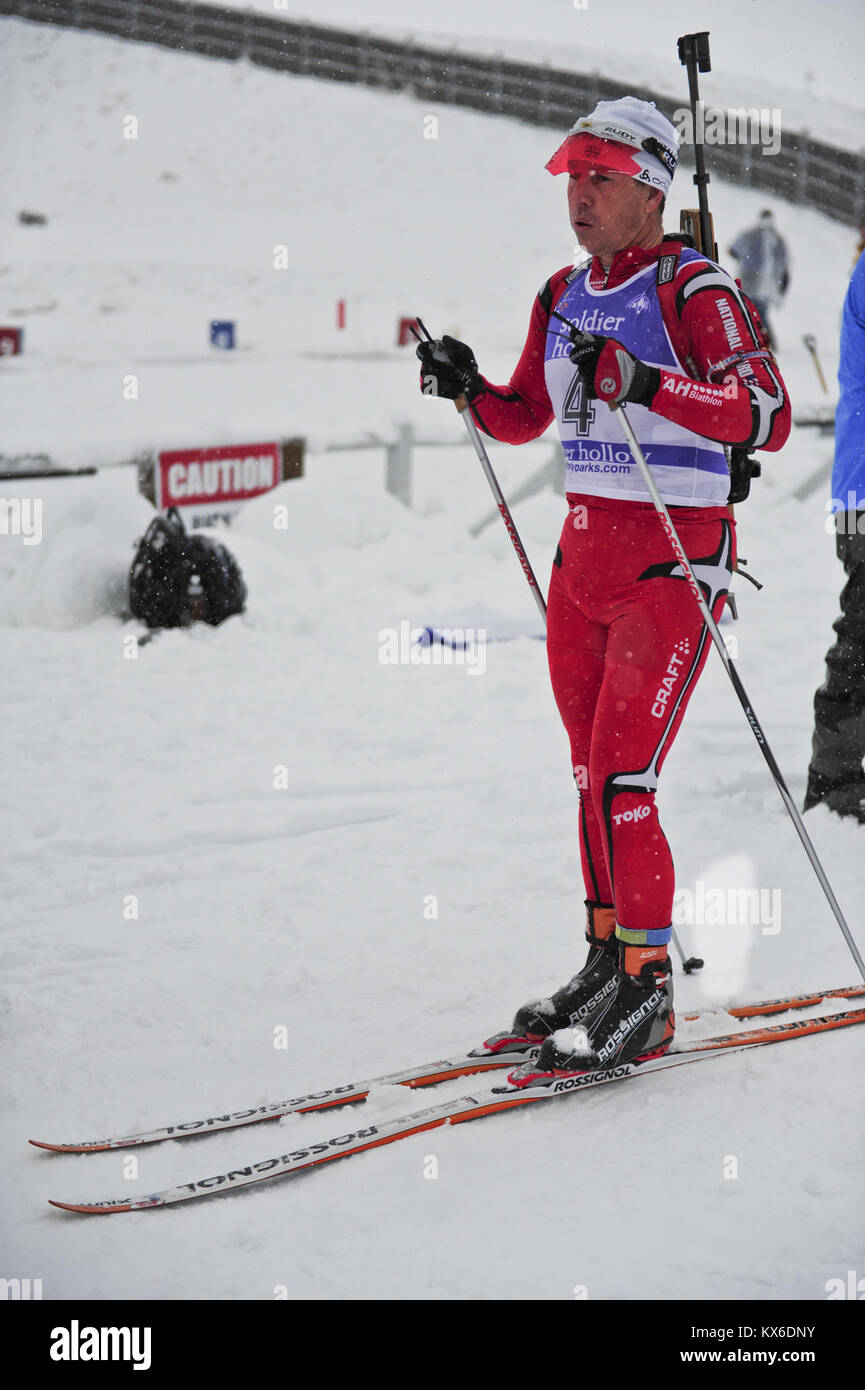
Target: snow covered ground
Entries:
(168, 906)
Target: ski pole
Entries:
(811, 344)
(693, 963)
(461, 404)
(678, 550)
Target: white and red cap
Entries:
(627, 136)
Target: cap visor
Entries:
(586, 151)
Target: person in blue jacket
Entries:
(835, 775)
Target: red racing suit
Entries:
(626, 642)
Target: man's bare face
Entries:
(610, 211)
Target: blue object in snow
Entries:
(222, 333)
(459, 640)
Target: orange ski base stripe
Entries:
(780, 1006)
(780, 1032)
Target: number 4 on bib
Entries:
(577, 407)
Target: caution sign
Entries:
(213, 484)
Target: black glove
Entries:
(449, 369)
(612, 373)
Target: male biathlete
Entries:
(666, 331)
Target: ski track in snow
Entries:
(307, 907)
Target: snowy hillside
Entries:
(778, 53)
(244, 829)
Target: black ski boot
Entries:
(844, 796)
(577, 1001)
(636, 1019)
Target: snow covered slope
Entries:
(169, 903)
(778, 53)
